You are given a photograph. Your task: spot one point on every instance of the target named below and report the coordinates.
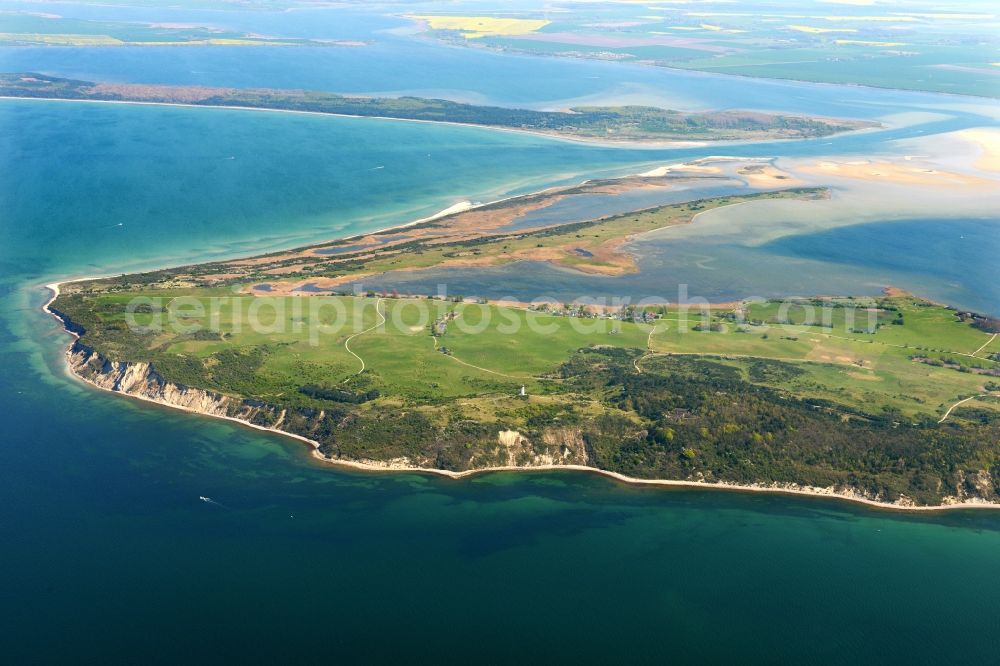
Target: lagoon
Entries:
(952, 261)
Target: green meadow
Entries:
(894, 397)
(899, 354)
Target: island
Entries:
(644, 124)
(890, 400)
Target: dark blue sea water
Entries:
(107, 554)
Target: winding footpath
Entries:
(347, 342)
(648, 352)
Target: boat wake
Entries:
(209, 500)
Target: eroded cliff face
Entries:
(556, 446)
(141, 380)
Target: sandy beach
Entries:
(365, 238)
(788, 489)
(987, 139)
(473, 219)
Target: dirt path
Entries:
(971, 397)
(648, 352)
(347, 342)
(986, 344)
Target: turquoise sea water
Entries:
(129, 179)
(108, 550)
(107, 554)
(232, 180)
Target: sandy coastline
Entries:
(395, 467)
(770, 178)
(779, 489)
(375, 466)
(453, 209)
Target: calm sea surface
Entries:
(106, 549)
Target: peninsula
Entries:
(641, 124)
(890, 400)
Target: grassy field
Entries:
(725, 394)
(302, 340)
(828, 353)
(823, 350)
